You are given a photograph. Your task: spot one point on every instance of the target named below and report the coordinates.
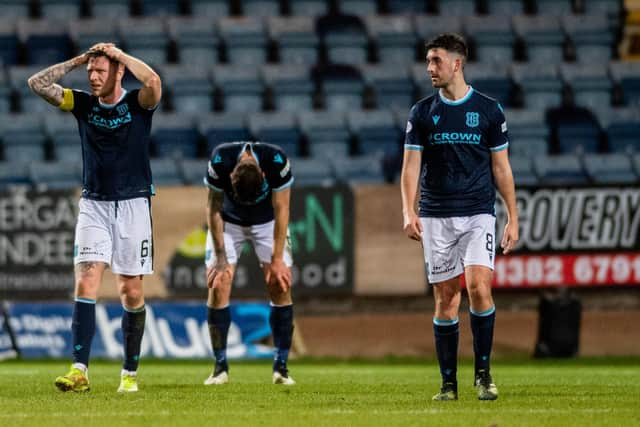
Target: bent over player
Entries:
(460, 136)
(114, 219)
(249, 192)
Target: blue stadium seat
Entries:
(421, 80)
(342, 86)
(290, 86)
(8, 41)
(610, 168)
(240, 86)
(196, 40)
(493, 38)
(27, 100)
(165, 172)
(543, 37)
(5, 92)
(223, 127)
(14, 174)
(280, 128)
(174, 135)
(145, 38)
(528, 133)
(13, 9)
(160, 7)
(456, 7)
(540, 84)
(245, 40)
(627, 75)
(77, 79)
(621, 128)
(554, 7)
(591, 36)
(394, 37)
(295, 38)
(359, 170)
(522, 168)
(87, 32)
(590, 83)
(491, 79)
(56, 175)
(60, 9)
(344, 38)
(210, 8)
(62, 131)
(560, 170)
(636, 163)
(506, 7)
(407, 6)
(190, 88)
(358, 7)
(46, 41)
(376, 131)
(308, 7)
(430, 26)
(326, 133)
(260, 8)
(581, 137)
(22, 136)
(312, 171)
(193, 171)
(110, 8)
(390, 84)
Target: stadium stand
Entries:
(5, 92)
(341, 86)
(15, 9)
(457, 7)
(145, 37)
(166, 172)
(391, 87)
(295, 38)
(61, 9)
(8, 41)
(523, 173)
(190, 88)
(239, 87)
(359, 170)
(610, 169)
(492, 38)
(554, 7)
(244, 39)
(46, 41)
(527, 137)
(84, 33)
(312, 171)
(541, 85)
(62, 132)
(376, 131)
(27, 101)
(626, 74)
(260, 8)
(542, 36)
(222, 127)
(590, 36)
(589, 83)
(23, 137)
(210, 8)
(308, 7)
(565, 169)
(362, 8)
(192, 171)
(621, 128)
(394, 37)
(506, 7)
(14, 174)
(344, 39)
(109, 8)
(175, 135)
(160, 7)
(290, 86)
(280, 128)
(196, 40)
(492, 79)
(55, 175)
(326, 133)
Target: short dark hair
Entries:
(99, 53)
(451, 42)
(247, 181)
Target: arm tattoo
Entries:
(85, 266)
(43, 82)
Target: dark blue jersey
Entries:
(277, 176)
(115, 146)
(456, 140)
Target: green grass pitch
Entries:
(395, 392)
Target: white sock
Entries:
(130, 373)
(81, 366)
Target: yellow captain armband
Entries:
(67, 100)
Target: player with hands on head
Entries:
(114, 216)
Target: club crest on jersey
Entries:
(121, 109)
(473, 119)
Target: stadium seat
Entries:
(245, 40)
(311, 171)
(295, 38)
(290, 86)
(390, 84)
(394, 37)
(409, 7)
(196, 40)
(190, 88)
(77, 79)
(359, 170)
(342, 86)
(492, 36)
(46, 41)
(590, 36)
(13, 9)
(56, 175)
(223, 127)
(60, 9)
(621, 128)
(102, 9)
(260, 8)
(193, 171)
(421, 80)
(145, 38)
(174, 135)
(626, 74)
(543, 37)
(491, 79)
(376, 131)
(636, 163)
(589, 82)
(522, 168)
(22, 136)
(308, 7)
(506, 7)
(358, 7)
(430, 26)
(279, 128)
(610, 169)
(560, 170)
(326, 133)
(573, 129)
(8, 41)
(27, 100)
(540, 84)
(5, 92)
(86, 32)
(165, 172)
(528, 134)
(62, 131)
(160, 7)
(554, 7)
(344, 39)
(14, 174)
(456, 7)
(240, 87)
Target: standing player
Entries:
(461, 137)
(114, 220)
(249, 191)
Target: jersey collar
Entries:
(459, 101)
(102, 104)
(253, 153)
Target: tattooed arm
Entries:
(43, 83)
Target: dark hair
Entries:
(99, 53)
(451, 42)
(247, 181)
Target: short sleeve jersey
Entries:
(277, 176)
(456, 140)
(115, 146)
